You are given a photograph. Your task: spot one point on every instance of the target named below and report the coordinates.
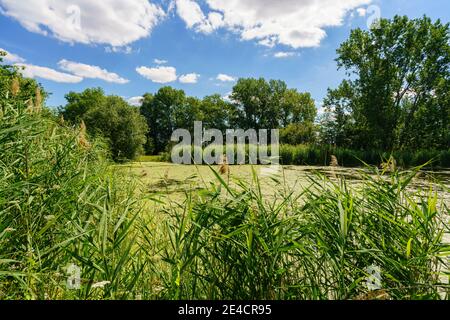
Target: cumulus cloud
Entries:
(158, 61)
(136, 101)
(283, 54)
(113, 22)
(11, 57)
(225, 78)
(362, 12)
(189, 78)
(294, 23)
(158, 74)
(191, 13)
(32, 71)
(91, 72)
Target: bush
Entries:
(111, 118)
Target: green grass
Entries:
(312, 155)
(63, 203)
(229, 244)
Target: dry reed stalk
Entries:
(390, 165)
(15, 87)
(30, 106)
(224, 167)
(334, 161)
(334, 164)
(38, 101)
(82, 140)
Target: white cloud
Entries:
(91, 72)
(158, 61)
(192, 14)
(189, 78)
(215, 19)
(11, 57)
(125, 50)
(283, 54)
(136, 101)
(362, 12)
(32, 71)
(159, 74)
(113, 22)
(225, 78)
(295, 23)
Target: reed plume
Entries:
(390, 165)
(334, 164)
(15, 87)
(38, 101)
(224, 167)
(82, 139)
(334, 161)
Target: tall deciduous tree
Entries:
(398, 93)
(159, 111)
(269, 105)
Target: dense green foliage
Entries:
(256, 104)
(398, 93)
(317, 155)
(311, 155)
(14, 87)
(110, 117)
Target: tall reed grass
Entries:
(62, 203)
(313, 155)
(316, 245)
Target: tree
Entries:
(216, 113)
(297, 108)
(298, 133)
(110, 117)
(398, 95)
(258, 102)
(160, 111)
(268, 105)
(78, 104)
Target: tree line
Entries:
(396, 97)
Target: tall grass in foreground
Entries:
(62, 204)
(316, 245)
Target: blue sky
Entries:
(114, 44)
